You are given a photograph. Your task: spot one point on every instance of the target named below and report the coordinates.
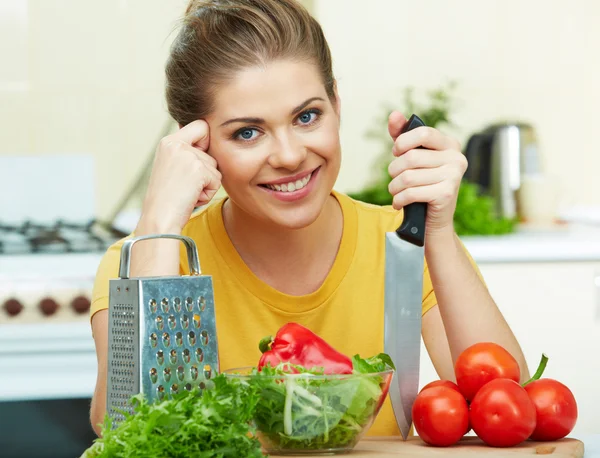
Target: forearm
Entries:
(468, 312)
(158, 257)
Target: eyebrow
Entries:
(262, 121)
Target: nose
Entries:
(288, 152)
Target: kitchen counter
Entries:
(530, 244)
(472, 446)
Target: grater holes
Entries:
(153, 375)
(160, 357)
(173, 356)
(172, 322)
(202, 303)
(188, 387)
(204, 337)
(192, 338)
(199, 355)
(174, 388)
(153, 305)
(207, 371)
(179, 339)
(177, 304)
(189, 304)
(154, 340)
(167, 374)
(185, 321)
(194, 372)
(186, 355)
(160, 392)
(180, 373)
(197, 320)
(166, 340)
(202, 385)
(164, 305)
(160, 324)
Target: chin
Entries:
(292, 216)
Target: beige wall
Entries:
(93, 83)
(533, 60)
(87, 77)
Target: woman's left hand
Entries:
(432, 174)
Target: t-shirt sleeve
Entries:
(107, 269)
(429, 298)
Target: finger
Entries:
(195, 133)
(214, 172)
(206, 158)
(211, 184)
(424, 137)
(415, 178)
(396, 122)
(426, 194)
(418, 159)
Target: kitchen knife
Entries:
(404, 264)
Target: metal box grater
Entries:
(161, 333)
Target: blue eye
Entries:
(246, 134)
(307, 117)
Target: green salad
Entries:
(309, 411)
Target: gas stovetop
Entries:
(58, 237)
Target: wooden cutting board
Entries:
(469, 447)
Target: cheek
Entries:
(329, 142)
(237, 165)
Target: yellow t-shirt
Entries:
(347, 310)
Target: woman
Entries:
(250, 83)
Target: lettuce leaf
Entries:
(213, 424)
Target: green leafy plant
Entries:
(213, 424)
(475, 214)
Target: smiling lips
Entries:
(291, 186)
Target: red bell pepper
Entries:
(297, 345)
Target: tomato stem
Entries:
(540, 370)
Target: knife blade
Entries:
(404, 264)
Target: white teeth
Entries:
(292, 186)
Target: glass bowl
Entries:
(305, 414)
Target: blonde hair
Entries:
(220, 37)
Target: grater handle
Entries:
(190, 245)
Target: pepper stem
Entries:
(265, 344)
(540, 370)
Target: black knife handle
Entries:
(412, 228)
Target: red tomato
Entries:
(482, 363)
(447, 383)
(502, 415)
(556, 409)
(440, 415)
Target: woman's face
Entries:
(274, 133)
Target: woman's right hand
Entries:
(183, 177)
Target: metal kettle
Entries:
(499, 157)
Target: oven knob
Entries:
(13, 307)
(80, 304)
(48, 306)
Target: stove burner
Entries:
(48, 306)
(13, 307)
(59, 237)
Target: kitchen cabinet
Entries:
(553, 307)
